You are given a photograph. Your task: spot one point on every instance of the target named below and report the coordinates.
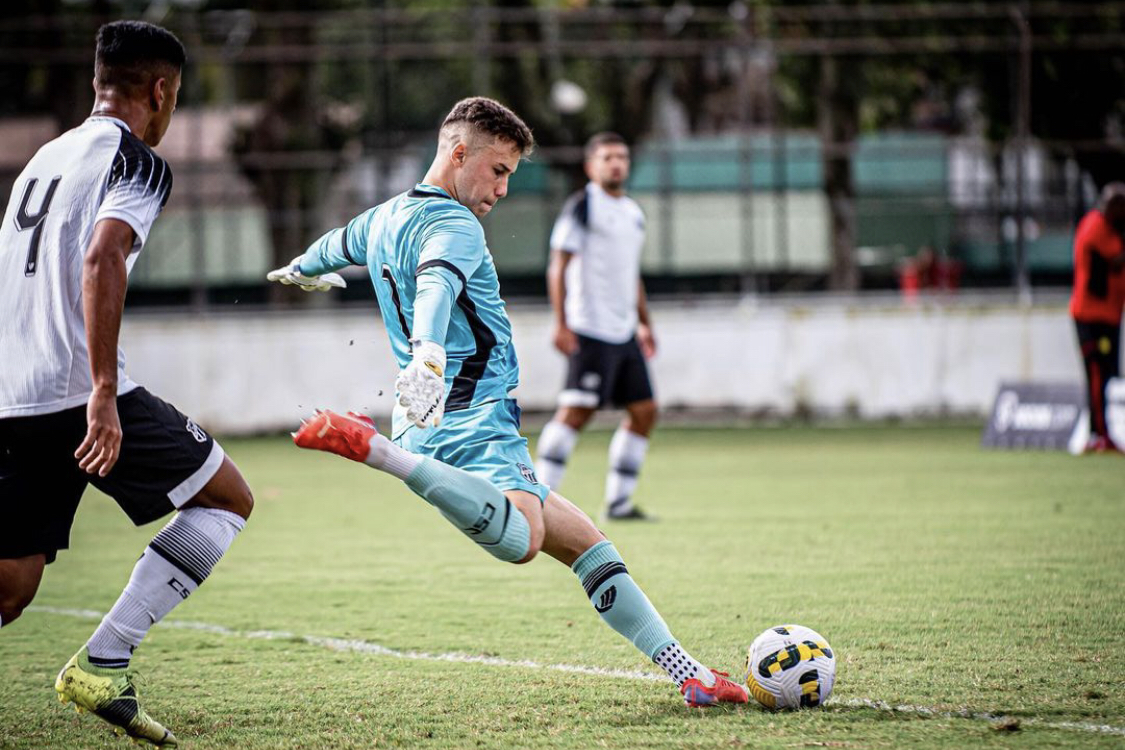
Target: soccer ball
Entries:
(790, 666)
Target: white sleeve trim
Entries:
(132, 220)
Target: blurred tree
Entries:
(292, 147)
(60, 88)
(1077, 95)
(294, 144)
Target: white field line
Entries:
(367, 647)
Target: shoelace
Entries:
(134, 677)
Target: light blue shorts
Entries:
(484, 440)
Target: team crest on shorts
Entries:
(196, 431)
(527, 473)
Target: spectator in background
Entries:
(1095, 304)
(928, 271)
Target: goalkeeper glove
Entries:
(291, 274)
(421, 385)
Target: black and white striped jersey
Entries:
(96, 171)
(605, 234)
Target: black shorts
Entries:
(165, 460)
(601, 374)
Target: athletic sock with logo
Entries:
(474, 506)
(175, 563)
(626, 454)
(469, 502)
(626, 609)
(556, 443)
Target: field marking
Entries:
(367, 647)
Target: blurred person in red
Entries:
(1096, 303)
(926, 272)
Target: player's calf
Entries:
(573, 540)
(19, 580)
(174, 565)
(625, 608)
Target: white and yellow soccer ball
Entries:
(790, 666)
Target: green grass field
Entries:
(951, 581)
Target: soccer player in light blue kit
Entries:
(455, 439)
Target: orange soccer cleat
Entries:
(696, 694)
(348, 436)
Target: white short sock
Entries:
(174, 564)
(681, 667)
(626, 455)
(388, 457)
(556, 443)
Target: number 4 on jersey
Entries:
(25, 220)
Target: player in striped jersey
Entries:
(455, 440)
(602, 325)
(78, 217)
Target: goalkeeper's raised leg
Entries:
(515, 525)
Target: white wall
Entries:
(248, 372)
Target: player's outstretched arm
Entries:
(292, 274)
(314, 271)
(104, 280)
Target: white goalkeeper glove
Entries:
(421, 385)
(291, 274)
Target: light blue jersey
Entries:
(425, 240)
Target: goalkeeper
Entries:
(455, 439)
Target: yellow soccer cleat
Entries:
(109, 694)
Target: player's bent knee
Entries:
(534, 544)
(9, 612)
(574, 417)
(530, 532)
(642, 417)
(227, 490)
(243, 502)
(19, 581)
(13, 603)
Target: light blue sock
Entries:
(619, 600)
(475, 506)
(626, 609)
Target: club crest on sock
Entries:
(605, 603)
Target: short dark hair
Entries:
(605, 138)
(131, 54)
(490, 117)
